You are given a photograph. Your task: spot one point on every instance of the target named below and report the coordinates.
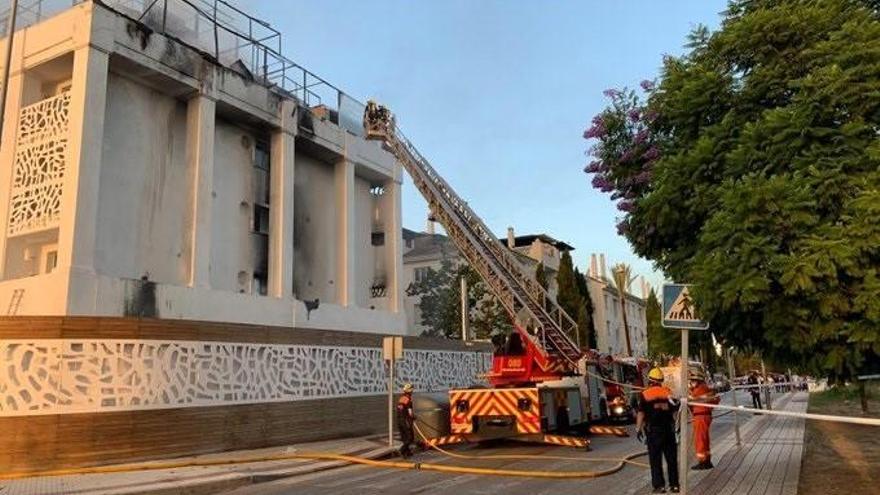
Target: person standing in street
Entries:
(755, 390)
(700, 391)
(655, 422)
(405, 419)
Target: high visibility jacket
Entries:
(656, 403)
(702, 393)
(405, 409)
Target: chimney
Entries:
(429, 226)
(594, 267)
(511, 242)
(644, 287)
(602, 266)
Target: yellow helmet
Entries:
(655, 374)
(408, 388)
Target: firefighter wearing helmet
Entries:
(700, 391)
(655, 422)
(405, 419)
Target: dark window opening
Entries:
(261, 283)
(261, 154)
(261, 219)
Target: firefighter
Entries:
(405, 419)
(655, 421)
(700, 391)
(755, 390)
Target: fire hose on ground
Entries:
(351, 459)
(623, 460)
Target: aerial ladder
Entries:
(539, 350)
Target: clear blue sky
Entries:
(496, 93)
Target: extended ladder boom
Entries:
(526, 301)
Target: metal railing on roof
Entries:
(232, 37)
(33, 11)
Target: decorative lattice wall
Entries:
(73, 376)
(41, 155)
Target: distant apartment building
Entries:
(607, 312)
(427, 250)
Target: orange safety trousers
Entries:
(701, 436)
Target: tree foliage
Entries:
(585, 312)
(541, 276)
(571, 288)
(440, 303)
(662, 342)
(752, 168)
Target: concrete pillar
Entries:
(282, 156)
(390, 210)
(79, 198)
(345, 233)
(200, 120)
(7, 157)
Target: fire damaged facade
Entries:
(155, 169)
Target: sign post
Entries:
(731, 369)
(464, 309)
(392, 350)
(679, 312)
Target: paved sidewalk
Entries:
(768, 462)
(201, 480)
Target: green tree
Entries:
(752, 169)
(567, 294)
(570, 287)
(661, 341)
(585, 323)
(541, 277)
(440, 303)
(487, 315)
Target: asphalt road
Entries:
(361, 480)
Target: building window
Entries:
(48, 258)
(261, 219)
(420, 274)
(378, 239)
(260, 285)
(261, 154)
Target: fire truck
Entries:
(608, 385)
(520, 402)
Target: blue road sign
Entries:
(679, 310)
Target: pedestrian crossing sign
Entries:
(679, 310)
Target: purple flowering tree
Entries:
(623, 150)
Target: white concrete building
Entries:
(189, 175)
(607, 312)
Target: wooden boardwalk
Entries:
(767, 463)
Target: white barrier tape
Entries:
(764, 385)
(820, 417)
(636, 388)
